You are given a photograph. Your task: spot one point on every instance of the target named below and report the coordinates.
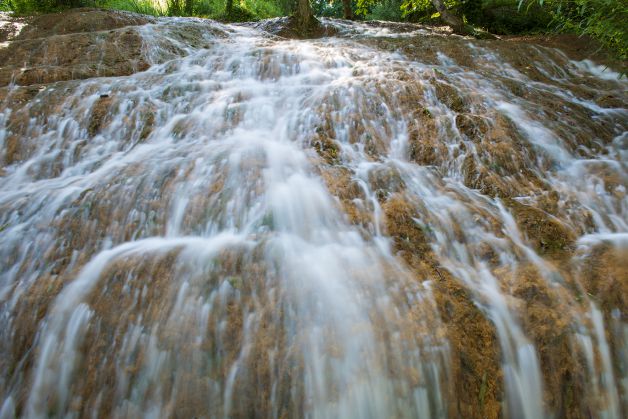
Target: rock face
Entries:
(288, 27)
(200, 219)
(78, 44)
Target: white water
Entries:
(267, 298)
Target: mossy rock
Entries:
(604, 273)
(546, 234)
(450, 96)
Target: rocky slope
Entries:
(200, 219)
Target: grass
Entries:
(243, 10)
(145, 7)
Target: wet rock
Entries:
(341, 184)
(473, 126)
(463, 140)
(410, 238)
(78, 44)
(288, 27)
(477, 176)
(99, 113)
(610, 101)
(547, 234)
(603, 276)
(576, 47)
(385, 180)
(327, 148)
(546, 313)
(424, 145)
(80, 20)
(450, 96)
(501, 163)
(477, 377)
(11, 26)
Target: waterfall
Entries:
(252, 226)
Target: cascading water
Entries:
(262, 227)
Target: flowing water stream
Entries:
(262, 227)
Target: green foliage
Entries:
(498, 16)
(41, 6)
(264, 9)
(604, 20)
(506, 17)
(386, 10)
(244, 10)
(145, 7)
(363, 7)
(472, 10)
(238, 14)
(331, 8)
(420, 8)
(208, 8)
(400, 10)
(326, 8)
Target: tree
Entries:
(347, 11)
(453, 21)
(304, 17)
(604, 20)
(456, 23)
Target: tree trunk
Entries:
(304, 15)
(347, 11)
(450, 19)
(229, 7)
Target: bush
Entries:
(264, 9)
(507, 17)
(325, 8)
(238, 13)
(604, 20)
(242, 11)
(145, 7)
(245, 10)
(44, 6)
(208, 8)
(386, 10)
